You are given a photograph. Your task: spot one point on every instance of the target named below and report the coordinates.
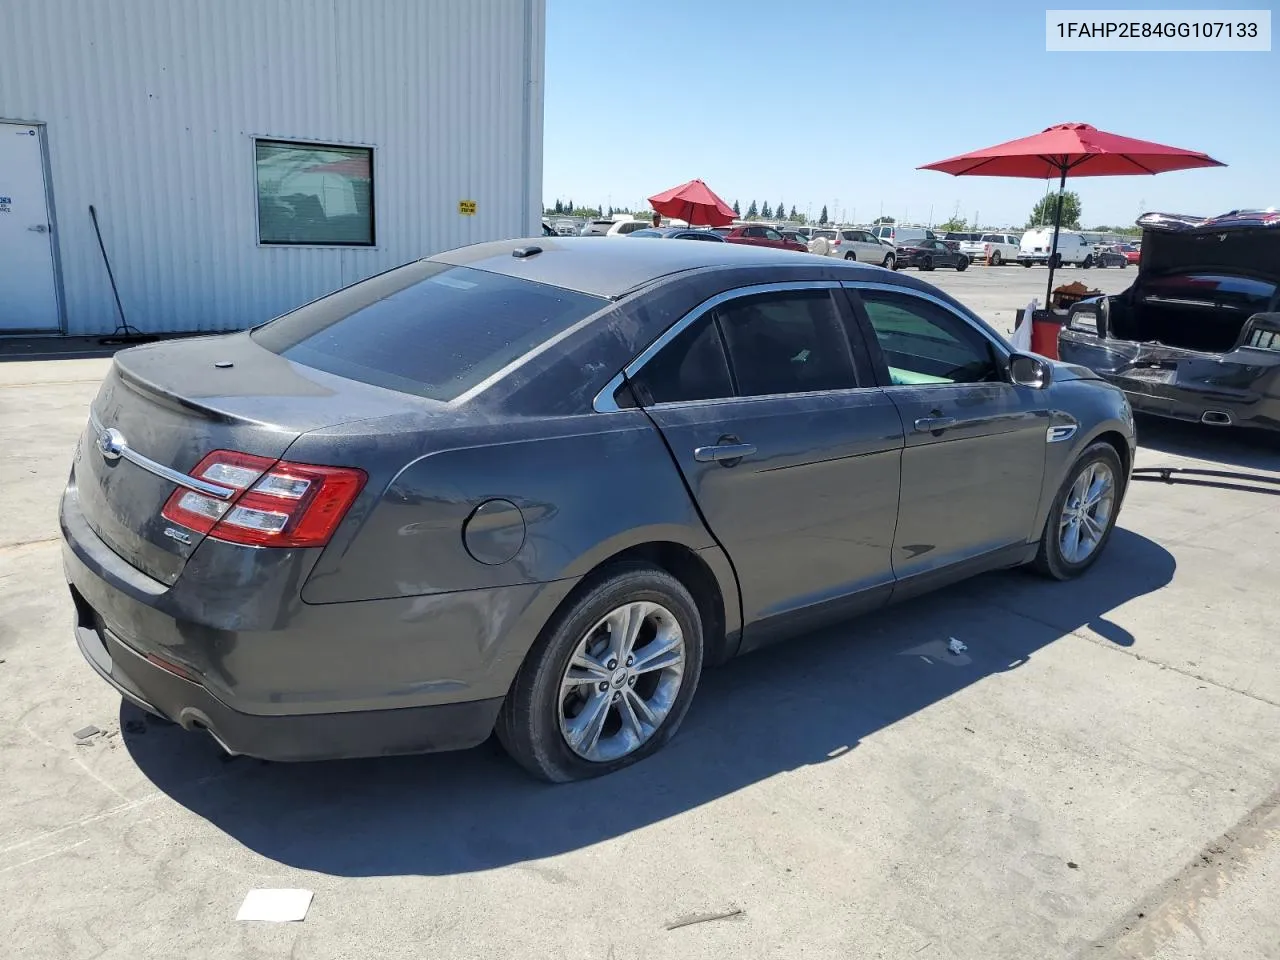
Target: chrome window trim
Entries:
(1004, 350)
(162, 471)
(604, 401)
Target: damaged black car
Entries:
(1197, 335)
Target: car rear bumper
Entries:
(270, 676)
(323, 736)
(1180, 384)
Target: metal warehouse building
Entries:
(245, 156)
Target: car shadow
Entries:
(1232, 446)
(797, 704)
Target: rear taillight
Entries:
(274, 504)
(836, 242)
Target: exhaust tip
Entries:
(1216, 418)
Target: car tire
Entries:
(926, 264)
(851, 256)
(1027, 264)
(962, 265)
(1054, 558)
(890, 262)
(995, 258)
(534, 725)
(1055, 261)
(1088, 262)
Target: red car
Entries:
(760, 236)
(1131, 253)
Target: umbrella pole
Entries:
(1053, 249)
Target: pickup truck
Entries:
(1001, 247)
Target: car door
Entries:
(973, 463)
(773, 238)
(789, 448)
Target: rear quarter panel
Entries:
(586, 487)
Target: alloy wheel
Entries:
(1086, 513)
(622, 681)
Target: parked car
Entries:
(757, 235)
(1073, 248)
(999, 248)
(1131, 253)
(1109, 255)
(623, 228)
(679, 233)
(1197, 335)
(895, 236)
(851, 243)
(930, 254)
(567, 228)
(547, 231)
(597, 228)
(329, 537)
(961, 236)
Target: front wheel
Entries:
(609, 679)
(889, 262)
(962, 265)
(926, 263)
(1083, 514)
(1088, 262)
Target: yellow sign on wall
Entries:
(467, 208)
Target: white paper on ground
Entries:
(1021, 339)
(275, 905)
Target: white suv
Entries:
(850, 243)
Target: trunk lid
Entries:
(175, 402)
(1243, 243)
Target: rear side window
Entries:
(789, 342)
(429, 329)
(691, 367)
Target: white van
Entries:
(896, 236)
(1073, 248)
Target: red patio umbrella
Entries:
(693, 202)
(1076, 149)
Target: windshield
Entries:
(429, 329)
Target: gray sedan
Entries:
(536, 486)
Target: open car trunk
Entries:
(1202, 327)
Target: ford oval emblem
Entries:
(111, 443)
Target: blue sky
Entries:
(837, 102)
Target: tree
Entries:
(955, 223)
(736, 211)
(766, 211)
(880, 220)
(611, 211)
(780, 211)
(794, 215)
(753, 211)
(822, 219)
(1042, 213)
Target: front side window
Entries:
(787, 342)
(772, 235)
(312, 194)
(691, 367)
(924, 343)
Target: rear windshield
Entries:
(429, 329)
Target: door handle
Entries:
(930, 424)
(40, 228)
(724, 452)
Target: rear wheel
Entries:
(609, 680)
(889, 262)
(995, 258)
(851, 256)
(1055, 261)
(926, 263)
(962, 265)
(1027, 264)
(1088, 262)
(1082, 515)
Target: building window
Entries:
(314, 194)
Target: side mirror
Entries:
(1029, 371)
